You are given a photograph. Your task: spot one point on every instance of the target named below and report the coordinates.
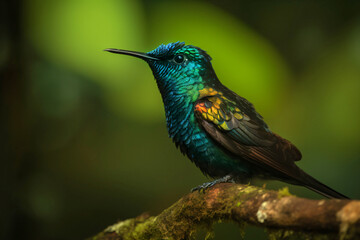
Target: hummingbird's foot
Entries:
(207, 185)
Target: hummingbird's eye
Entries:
(179, 58)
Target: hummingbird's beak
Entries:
(141, 55)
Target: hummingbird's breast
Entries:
(192, 140)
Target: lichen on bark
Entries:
(283, 215)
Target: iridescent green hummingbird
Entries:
(217, 129)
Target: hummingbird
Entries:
(218, 130)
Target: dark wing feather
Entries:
(244, 133)
(247, 138)
(262, 157)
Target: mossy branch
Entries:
(283, 215)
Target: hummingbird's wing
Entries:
(241, 130)
(237, 127)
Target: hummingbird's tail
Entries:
(313, 184)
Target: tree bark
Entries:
(283, 215)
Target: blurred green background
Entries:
(83, 134)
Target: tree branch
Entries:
(282, 214)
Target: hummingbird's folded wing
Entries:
(234, 129)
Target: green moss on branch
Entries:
(284, 216)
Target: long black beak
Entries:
(141, 55)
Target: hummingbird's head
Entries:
(176, 65)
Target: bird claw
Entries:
(203, 186)
(207, 185)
